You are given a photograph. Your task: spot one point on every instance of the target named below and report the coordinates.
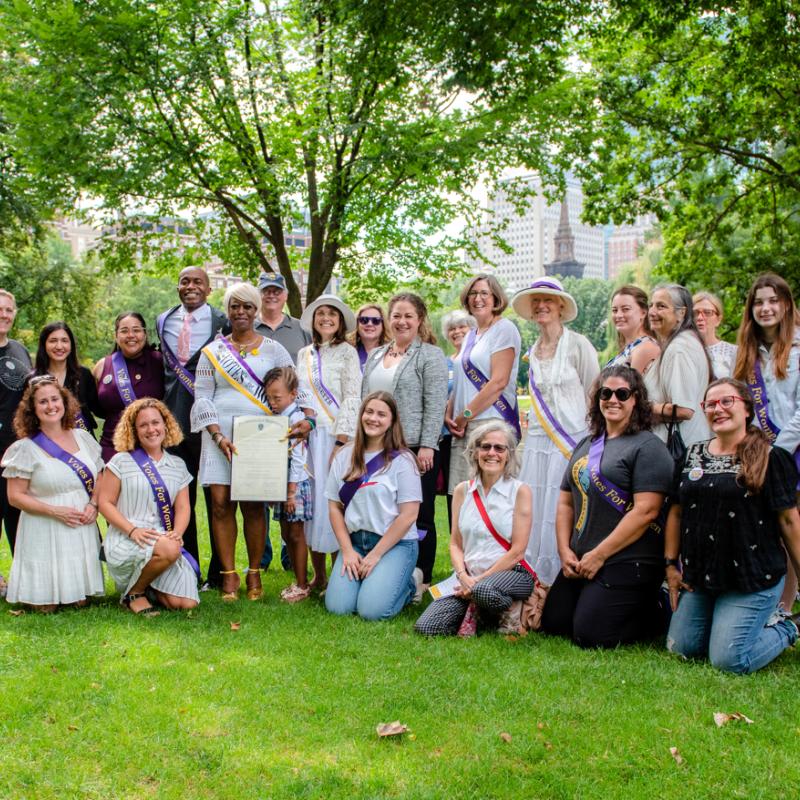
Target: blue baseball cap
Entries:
(266, 279)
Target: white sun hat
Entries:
(307, 318)
(551, 287)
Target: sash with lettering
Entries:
(185, 376)
(75, 464)
(80, 422)
(225, 358)
(479, 380)
(324, 395)
(122, 379)
(162, 499)
(551, 426)
(362, 355)
(620, 500)
(761, 405)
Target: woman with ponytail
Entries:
(735, 512)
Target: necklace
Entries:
(243, 347)
(393, 352)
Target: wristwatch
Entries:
(467, 414)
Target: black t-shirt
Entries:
(15, 364)
(730, 539)
(638, 462)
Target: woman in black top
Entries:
(736, 510)
(57, 355)
(607, 521)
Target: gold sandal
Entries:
(230, 587)
(254, 589)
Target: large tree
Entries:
(365, 122)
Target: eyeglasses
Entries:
(37, 379)
(705, 312)
(128, 331)
(483, 294)
(724, 402)
(622, 394)
(488, 447)
(370, 321)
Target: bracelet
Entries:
(460, 572)
(94, 505)
(337, 443)
(311, 421)
(214, 436)
(130, 532)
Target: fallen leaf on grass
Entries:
(721, 718)
(506, 737)
(511, 637)
(540, 725)
(675, 753)
(72, 727)
(235, 626)
(95, 685)
(395, 728)
(53, 669)
(548, 745)
(17, 612)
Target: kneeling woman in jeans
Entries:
(374, 492)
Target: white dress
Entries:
(564, 381)
(53, 563)
(341, 374)
(723, 358)
(124, 558)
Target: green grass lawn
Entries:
(100, 704)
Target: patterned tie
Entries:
(185, 338)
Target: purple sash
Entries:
(548, 413)
(75, 464)
(80, 422)
(161, 497)
(122, 379)
(241, 362)
(479, 380)
(185, 376)
(362, 355)
(325, 390)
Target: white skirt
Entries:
(543, 468)
(319, 532)
(125, 561)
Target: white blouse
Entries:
(723, 358)
(784, 395)
(341, 374)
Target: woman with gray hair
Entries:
(677, 380)
(229, 382)
(492, 512)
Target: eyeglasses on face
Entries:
(362, 320)
(483, 294)
(705, 312)
(725, 402)
(128, 331)
(488, 447)
(621, 394)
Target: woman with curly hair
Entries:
(607, 524)
(145, 498)
(52, 472)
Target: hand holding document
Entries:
(260, 465)
(445, 588)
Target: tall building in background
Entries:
(532, 234)
(626, 242)
(564, 263)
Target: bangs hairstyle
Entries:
(640, 298)
(511, 469)
(125, 438)
(285, 374)
(393, 440)
(641, 415)
(425, 333)
(500, 297)
(341, 331)
(699, 297)
(749, 336)
(752, 453)
(244, 293)
(354, 337)
(26, 423)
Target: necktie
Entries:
(185, 338)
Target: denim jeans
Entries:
(738, 632)
(385, 591)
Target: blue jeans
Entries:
(739, 633)
(266, 558)
(385, 592)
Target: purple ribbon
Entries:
(242, 363)
(75, 464)
(545, 284)
(162, 499)
(80, 422)
(122, 379)
(479, 380)
(325, 390)
(185, 376)
(547, 412)
(362, 356)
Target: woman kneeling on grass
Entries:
(491, 526)
(736, 508)
(374, 492)
(145, 498)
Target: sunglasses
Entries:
(622, 394)
(488, 447)
(370, 321)
(37, 379)
(724, 402)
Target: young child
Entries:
(281, 388)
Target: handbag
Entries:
(675, 444)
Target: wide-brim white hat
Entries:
(547, 285)
(307, 318)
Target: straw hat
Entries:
(551, 287)
(307, 318)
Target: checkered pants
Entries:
(494, 595)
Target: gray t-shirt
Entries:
(15, 365)
(638, 462)
(289, 333)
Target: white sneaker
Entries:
(421, 587)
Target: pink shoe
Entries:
(469, 625)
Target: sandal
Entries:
(295, 593)
(147, 611)
(254, 588)
(230, 585)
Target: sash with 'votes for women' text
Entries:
(185, 376)
(225, 358)
(323, 394)
(75, 464)
(122, 378)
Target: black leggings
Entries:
(9, 515)
(426, 519)
(618, 606)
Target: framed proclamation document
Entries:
(260, 465)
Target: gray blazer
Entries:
(419, 389)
